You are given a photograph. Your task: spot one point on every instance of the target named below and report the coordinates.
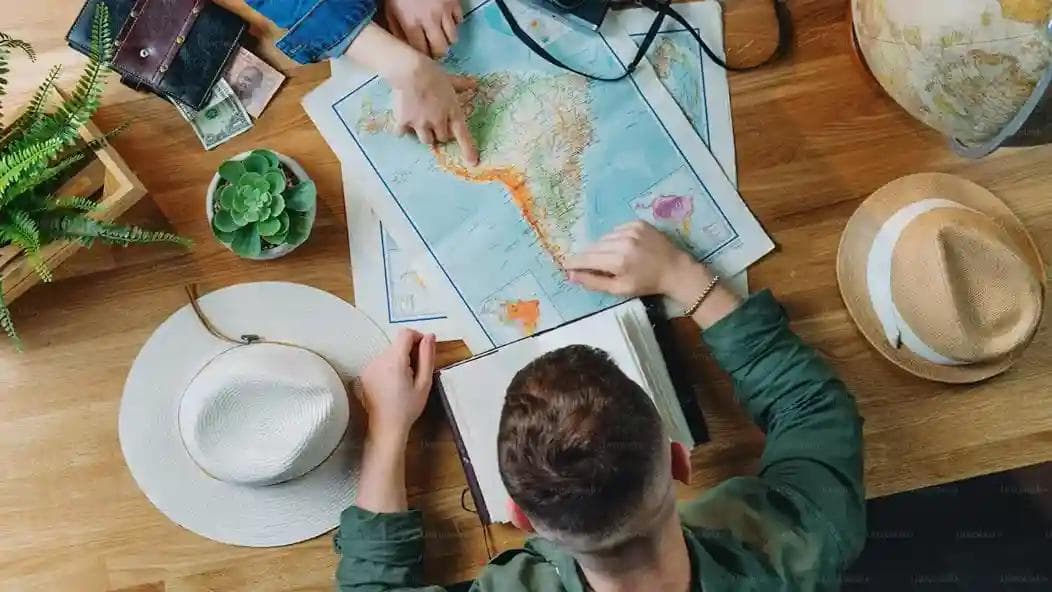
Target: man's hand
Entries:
(396, 384)
(635, 259)
(638, 260)
(426, 102)
(429, 26)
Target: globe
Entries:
(976, 70)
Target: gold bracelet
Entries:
(701, 298)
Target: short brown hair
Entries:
(578, 441)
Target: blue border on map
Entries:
(434, 256)
(387, 288)
(701, 72)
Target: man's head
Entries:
(583, 454)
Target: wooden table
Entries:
(814, 137)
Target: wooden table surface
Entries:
(814, 137)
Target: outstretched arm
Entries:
(380, 542)
(810, 482)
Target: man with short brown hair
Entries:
(588, 467)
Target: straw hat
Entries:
(941, 278)
(256, 444)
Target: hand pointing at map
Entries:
(426, 96)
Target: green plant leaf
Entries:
(256, 163)
(224, 237)
(249, 179)
(269, 227)
(239, 218)
(224, 222)
(277, 240)
(302, 197)
(277, 205)
(252, 215)
(284, 219)
(246, 242)
(242, 200)
(7, 323)
(276, 180)
(299, 228)
(261, 185)
(227, 196)
(272, 159)
(232, 170)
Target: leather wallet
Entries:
(175, 48)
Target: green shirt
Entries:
(795, 526)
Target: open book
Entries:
(473, 391)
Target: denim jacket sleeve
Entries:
(317, 29)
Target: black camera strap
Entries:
(662, 9)
(531, 43)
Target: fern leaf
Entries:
(79, 227)
(16, 164)
(77, 204)
(39, 101)
(7, 41)
(85, 98)
(7, 323)
(24, 233)
(34, 180)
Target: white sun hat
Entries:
(250, 444)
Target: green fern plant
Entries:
(40, 149)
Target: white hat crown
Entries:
(263, 414)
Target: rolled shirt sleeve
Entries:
(317, 29)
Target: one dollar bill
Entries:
(222, 118)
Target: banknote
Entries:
(222, 118)
(254, 81)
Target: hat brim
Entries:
(853, 255)
(270, 516)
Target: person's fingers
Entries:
(468, 148)
(404, 343)
(436, 39)
(607, 262)
(449, 27)
(462, 83)
(417, 39)
(425, 363)
(596, 282)
(395, 28)
(442, 133)
(425, 135)
(458, 13)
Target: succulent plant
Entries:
(256, 206)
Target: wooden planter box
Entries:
(106, 178)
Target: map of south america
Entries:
(564, 160)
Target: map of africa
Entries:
(563, 161)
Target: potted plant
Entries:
(261, 204)
(61, 185)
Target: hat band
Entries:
(878, 280)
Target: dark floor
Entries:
(987, 533)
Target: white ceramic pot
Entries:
(276, 252)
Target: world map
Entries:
(563, 161)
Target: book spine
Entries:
(462, 452)
(677, 368)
